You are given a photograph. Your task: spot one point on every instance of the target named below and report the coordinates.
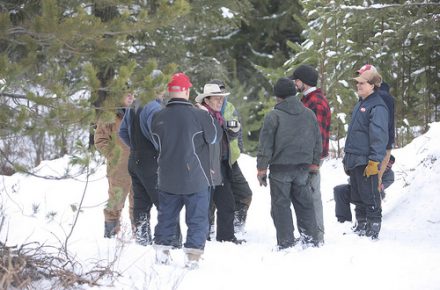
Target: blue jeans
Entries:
(197, 209)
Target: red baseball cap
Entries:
(366, 67)
(179, 83)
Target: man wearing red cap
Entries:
(135, 131)
(183, 134)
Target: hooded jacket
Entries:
(290, 136)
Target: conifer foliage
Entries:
(65, 63)
(401, 38)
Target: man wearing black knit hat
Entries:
(290, 142)
(306, 79)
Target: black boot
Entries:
(110, 229)
(360, 228)
(373, 229)
(240, 219)
(143, 233)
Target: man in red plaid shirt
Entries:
(306, 79)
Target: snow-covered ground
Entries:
(406, 256)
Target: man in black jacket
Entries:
(183, 134)
(290, 144)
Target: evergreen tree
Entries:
(64, 61)
(394, 37)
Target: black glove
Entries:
(262, 179)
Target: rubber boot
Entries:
(110, 229)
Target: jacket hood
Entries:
(291, 105)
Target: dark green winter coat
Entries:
(290, 136)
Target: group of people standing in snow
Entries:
(179, 154)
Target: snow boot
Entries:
(360, 228)
(143, 233)
(373, 229)
(211, 234)
(192, 258)
(240, 220)
(238, 241)
(111, 228)
(163, 256)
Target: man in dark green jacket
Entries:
(290, 145)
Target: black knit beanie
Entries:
(307, 74)
(284, 88)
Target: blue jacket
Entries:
(146, 115)
(367, 136)
(183, 134)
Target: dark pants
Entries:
(196, 208)
(144, 181)
(292, 187)
(365, 195)
(143, 172)
(342, 195)
(225, 204)
(240, 189)
(342, 202)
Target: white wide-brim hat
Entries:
(210, 90)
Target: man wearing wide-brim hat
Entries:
(212, 100)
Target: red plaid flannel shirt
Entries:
(318, 103)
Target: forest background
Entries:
(66, 63)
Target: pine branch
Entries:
(13, 96)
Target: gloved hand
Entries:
(372, 168)
(313, 168)
(262, 177)
(233, 125)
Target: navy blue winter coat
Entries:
(183, 134)
(367, 136)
